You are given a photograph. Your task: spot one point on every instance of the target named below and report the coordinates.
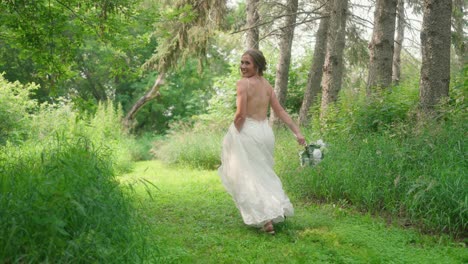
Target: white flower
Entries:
(317, 154)
(320, 143)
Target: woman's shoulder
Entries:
(266, 84)
(243, 82)
(246, 82)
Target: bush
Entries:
(59, 199)
(383, 110)
(197, 148)
(61, 203)
(142, 146)
(23, 119)
(101, 128)
(15, 109)
(356, 113)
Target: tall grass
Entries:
(102, 128)
(389, 161)
(192, 147)
(142, 146)
(60, 203)
(421, 178)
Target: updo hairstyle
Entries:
(258, 59)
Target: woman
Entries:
(247, 157)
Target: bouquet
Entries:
(313, 153)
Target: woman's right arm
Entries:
(241, 103)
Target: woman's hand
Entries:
(300, 139)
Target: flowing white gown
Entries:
(247, 174)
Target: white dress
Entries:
(247, 174)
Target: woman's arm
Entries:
(281, 113)
(241, 102)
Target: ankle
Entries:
(268, 227)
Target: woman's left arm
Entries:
(284, 116)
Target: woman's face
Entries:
(247, 66)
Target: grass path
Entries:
(193, 220)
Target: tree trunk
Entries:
(333, 66)
(252, 37)
(282, 69)
(316, 70)
(150, 95)
(381, 45)
(435, 49)
(396, 70)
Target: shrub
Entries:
(60, 203)
(383, 110)
(102, 128)
(197, 148)
(142, 146)
(23, 119)
(59, 199)
(15, 109)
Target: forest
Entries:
(91, 89)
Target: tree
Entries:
(396, 68)
(187, 31)
(40, 40)
(333, 66)
(381, 45)
(252, 36)
(316, 70)
(435, 51)
(285, 45)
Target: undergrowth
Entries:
(60, 203)
(384, 157)
(198, 147)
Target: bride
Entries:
(246, 169)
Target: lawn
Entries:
(191, 219)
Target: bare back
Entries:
(255, 95)
(258, 98)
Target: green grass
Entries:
(192, 148)
(419, 176)
(60, 202)
(59, 198)
(192, 219)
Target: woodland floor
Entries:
(192, 219)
